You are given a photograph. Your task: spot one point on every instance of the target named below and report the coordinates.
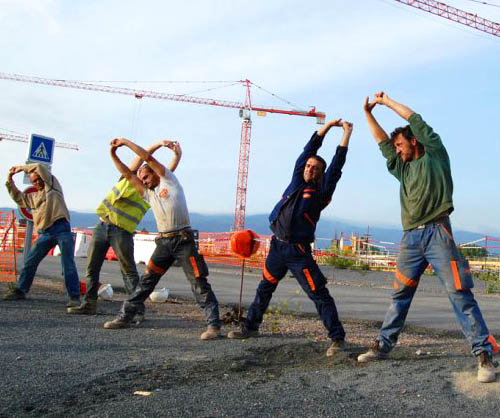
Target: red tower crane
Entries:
(456, 15)
(245, 110)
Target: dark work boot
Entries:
(14, 294)
(118, 323)
(243, 333)
(88, 307)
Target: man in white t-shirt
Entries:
(161, 189)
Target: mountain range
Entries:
(327, 227)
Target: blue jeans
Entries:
(433, 244)
(182, 248)
(298, 258)
(105, 235)
(59, 233)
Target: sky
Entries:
(328, 54)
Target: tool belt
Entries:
(187, 232)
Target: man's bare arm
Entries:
(404, 111)
(173, 145)
(177, 150)
(378, 133)
(124, 170)
(157, 167)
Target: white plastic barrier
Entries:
(82, 243)
(144, 245)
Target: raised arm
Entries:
(378, 133)
(177, 150)
(122, 168)
(157, 167)
(311, 148)
(326, 127)
(347, 127)
(334, 171)
(173, 145)
(404, 111)
(17, 196)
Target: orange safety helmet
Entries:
(244, 243)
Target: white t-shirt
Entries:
(168, 204)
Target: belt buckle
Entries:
(420, 227)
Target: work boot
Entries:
(118, 323)
(14, 294)
(486, 368)
(211, 333)
(243, 333)
(73, 303)
(336, 347)
(88, 307)
(373, 354)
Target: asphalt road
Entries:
(60, 365)
(364, 295)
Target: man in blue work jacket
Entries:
(293, 222)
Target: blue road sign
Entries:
(41, 149)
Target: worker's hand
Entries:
(347, 126)
(168, 143)
(173, 145)
(14, 170)
(334, 122)
(118, 142)
(381, 98)
(369, 105)
(176, 148)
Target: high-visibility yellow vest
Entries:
(123, 206)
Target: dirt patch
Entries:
(467, 384)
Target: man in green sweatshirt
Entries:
(418, 159)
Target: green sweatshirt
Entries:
(426, 186)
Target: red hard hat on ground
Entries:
(244, 243)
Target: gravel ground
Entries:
(58, 365)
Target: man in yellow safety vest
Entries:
(119, 214)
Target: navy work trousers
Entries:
(298, 259)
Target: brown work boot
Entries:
(373, 354)
(14, 294)
(88, 307)
(118, 323)
(243, 333)
(211, 333)
(486, 369)
(336, 347)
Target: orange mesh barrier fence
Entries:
(216, 249)
(8, 247)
